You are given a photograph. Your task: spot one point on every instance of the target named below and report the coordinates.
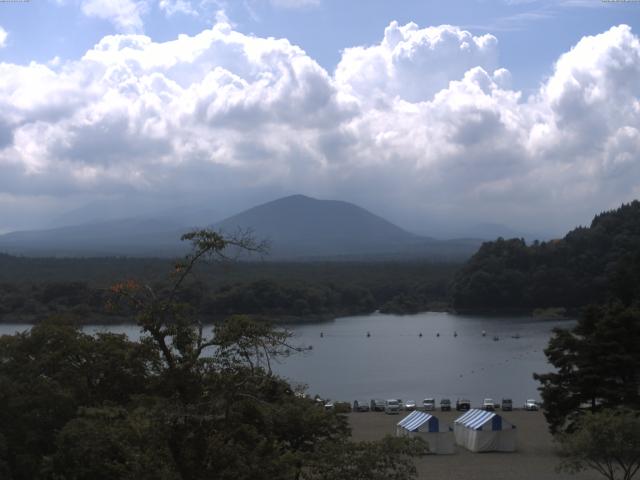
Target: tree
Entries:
(111, 442)
(48, 373)
(389, 459)
(223, 412)
(180, 404)
(597, 366)
(607, 442)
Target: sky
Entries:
(435, 115)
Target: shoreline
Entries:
(107, 320)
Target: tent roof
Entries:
(415, 420)
(475, 419)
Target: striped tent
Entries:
(482, 431)
(428, 427)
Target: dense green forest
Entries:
(589, 265)
(32, 289)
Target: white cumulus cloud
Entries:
(172, 7)
(126, 15)
(414, 63)
(134, 114)
(3, 37)
(424, 124)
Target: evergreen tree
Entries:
(597, 366)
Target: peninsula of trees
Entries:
(589, 265)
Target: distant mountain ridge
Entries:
(128, 237)
(297, 227)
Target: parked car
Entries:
(392, 406)
(429, 403)
(377, 405)
(445, 404)
(531, 405)
(410, 405)
(360, 406)
(329, 405)
(462, 404)
(488, 405)
(506, 405)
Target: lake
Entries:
(395, 362)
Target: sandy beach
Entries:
(535, 458)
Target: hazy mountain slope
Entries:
(300, 226)
(138, 237)
(297, 227)
(491, 231)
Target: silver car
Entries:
(531, 405)
(410, 405)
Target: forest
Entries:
(589, 265)
(32, 289)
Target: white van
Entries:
(392, 406)
(429, 403)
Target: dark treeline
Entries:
(32, 289)
(589, 265)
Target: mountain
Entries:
(299, 225)
(491, 231)
(297, 228)
(302, 227)
(128, 237)
(589, 265)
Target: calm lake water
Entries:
(395, 362)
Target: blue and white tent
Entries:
(421, 424)
(482, 431)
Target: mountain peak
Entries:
(299, 225)
(297, 197)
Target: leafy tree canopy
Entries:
(178, 404)
(607, 442)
